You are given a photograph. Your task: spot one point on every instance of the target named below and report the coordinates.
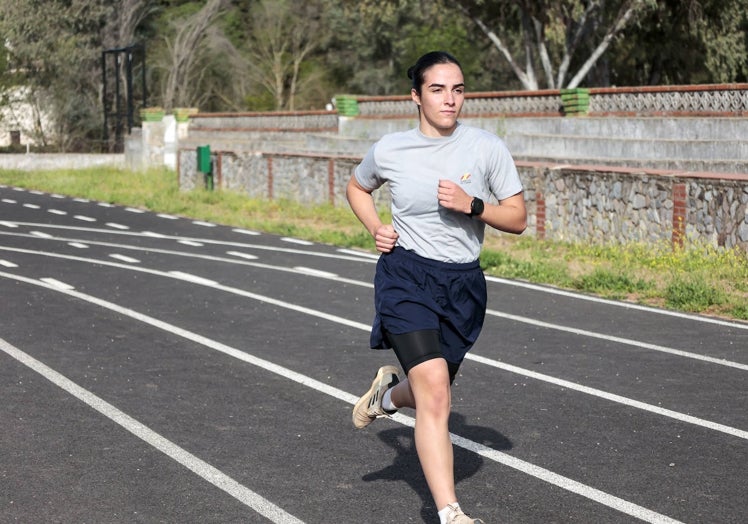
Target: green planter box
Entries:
(152, 114)
(575, 101)
(346, 105)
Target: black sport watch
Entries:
(476, 207)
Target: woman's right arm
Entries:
(363, 207)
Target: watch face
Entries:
(476, 206)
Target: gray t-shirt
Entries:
(413, 163)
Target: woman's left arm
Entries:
(509, 215)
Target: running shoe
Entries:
(456, 516)
(369, 406)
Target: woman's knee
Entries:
(429, 382)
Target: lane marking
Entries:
(190, 243)
(40, 234)
(78, 245)
(105, 204)
(134, 210)
(361, 254)
(124, 258)
(297, 241)
(619, 340)
(9, 201)
(56, 284)
(367, 327)
(178, 454)
(538, 472)
(373, 258)
(619, 399)
(117, 226)
(7, 263)
(241, 255)
(203, 224)
(316, 272)
(627, 305)
(167, 217)
(189, 277)
(245, 232)
(516, 318)
(31, 206)
(207, 241)
(57, 212)
(84, 218)
(81, 200)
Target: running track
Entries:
(159, 369)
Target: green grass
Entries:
(695, 278)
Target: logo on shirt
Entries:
(465, 179)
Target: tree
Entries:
(552, 33)
(281, 37)
(54, 50)
(686, 41)
(184, 53)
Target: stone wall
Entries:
(596, 204)
(637, 164)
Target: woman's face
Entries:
(441, 99)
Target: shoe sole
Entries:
(364, 400)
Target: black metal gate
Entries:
(124, 63)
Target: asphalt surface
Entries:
(158, 369)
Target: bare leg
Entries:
(427, 387)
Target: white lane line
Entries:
(57, 212)
(245, 232)
(55, 195)
(114, 225)
(627, 305)
(178, 454)
(361, 254)
(7, 263)
(11, 225)
(167, 217)
(78, 245)
(40, 234)
(516, 318)
(56, 284)
(81, 200)
(207, 241)
(84, 218)
(190, 243)
(366, 327)
(203, 224)
(36, 192)
(134, 210)
(297, 241)
(193, 278)
(735, 432)
(241, 255)
(503, 458)
(124, 258)
(31, 206)
(105, 204)
(619, 340)
(315, 272)
(9, 201)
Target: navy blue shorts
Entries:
(413, 293)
